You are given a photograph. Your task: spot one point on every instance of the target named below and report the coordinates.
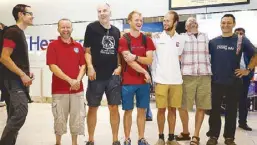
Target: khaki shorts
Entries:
(196, 89)
(64, 105)
(168, 95)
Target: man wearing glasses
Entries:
(17, 76)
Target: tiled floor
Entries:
(38, 129)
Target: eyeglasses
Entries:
(30, 13)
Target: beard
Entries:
(169, 28)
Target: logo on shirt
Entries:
(76, 50)
(177, 44)
(225, 47)
(108, 43)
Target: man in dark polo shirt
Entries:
(101, 44)
(65, 58)
(226, 51)
(17, 76)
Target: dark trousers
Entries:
(232, 94)
(243, 103)
(5, 97)
(149, 112)
(18, 109)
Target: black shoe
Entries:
(212, 141)
(90, 143)
(229, 141)
(31, 101)
(149, 119)
(245, 127)
(116, 143)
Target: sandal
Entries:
(193, 142)
(183, 137)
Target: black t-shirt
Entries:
(20, 52)
(103, 44)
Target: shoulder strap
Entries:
(239, 44)
(144, 40)
(126, 36)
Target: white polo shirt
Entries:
(166, 65)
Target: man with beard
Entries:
(137, 50)
(65, 58)
(17, 76)
(226, 52)
(103, 70)
(168, 78)
(196, 71)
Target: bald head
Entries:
(104, 13)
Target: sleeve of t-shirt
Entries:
(248, 47)
(87, 37)
(123, 45)
(149, 44)
(10, 38)
(51, 55)
(82, 60)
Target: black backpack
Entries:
(144, 43)
(1, 48)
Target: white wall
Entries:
(50, 11)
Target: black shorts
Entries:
(111, 87)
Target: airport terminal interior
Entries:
(39, 127)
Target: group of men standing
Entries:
(186, 68)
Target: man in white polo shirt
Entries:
(167, 76)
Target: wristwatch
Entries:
(136, 58)
(249, 69)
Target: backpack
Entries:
(144, 43)
(1, 48)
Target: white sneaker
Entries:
(160, 142)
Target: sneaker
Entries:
(127, 142)
(229, 141)
(142, 141)
(2, 104)
(212, 141)
(173, 142)
(116, 143)
(160, 142)
(90, 143)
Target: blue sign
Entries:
(149, 27)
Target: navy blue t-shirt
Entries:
(225, 59)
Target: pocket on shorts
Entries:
(114, 81)
(84, 110)
(54, 109)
